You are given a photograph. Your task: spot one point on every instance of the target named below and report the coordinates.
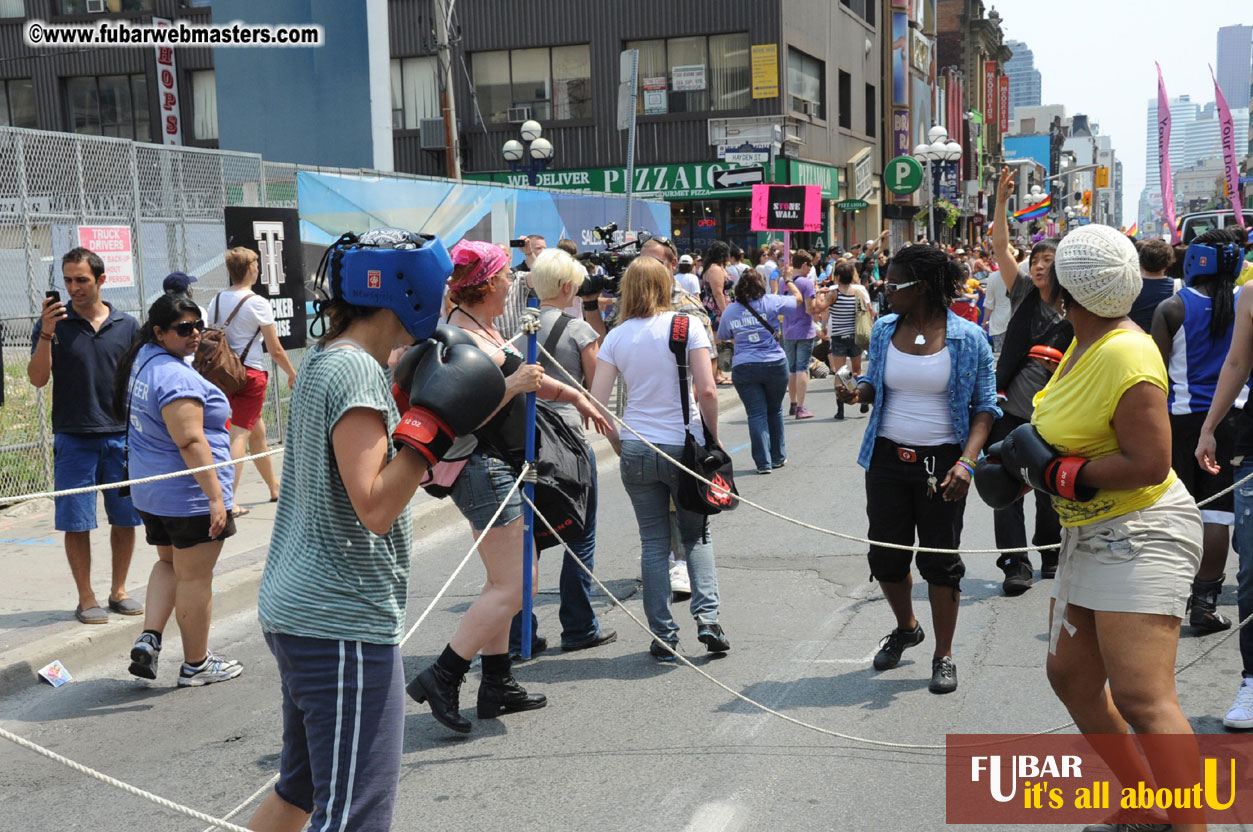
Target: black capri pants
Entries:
(898, 507)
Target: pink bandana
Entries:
(487, 259)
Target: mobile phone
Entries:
(53, 295)
(518, 243)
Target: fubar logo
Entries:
(374, 279)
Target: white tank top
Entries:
(915, 399)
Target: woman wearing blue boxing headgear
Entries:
(332, 598)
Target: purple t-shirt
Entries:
(753, 343)
(797, 323)
(158, 378)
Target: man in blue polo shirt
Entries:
(81, 344)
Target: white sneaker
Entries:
(680, 584)
(1241, 713)
(214, 669)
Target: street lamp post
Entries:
(939, 152)
(538, 155)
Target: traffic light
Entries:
(1102, 177)
(1087, 199)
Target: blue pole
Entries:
(528, 513)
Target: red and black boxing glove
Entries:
(997, 486)
(1032, 460)
(453, 388)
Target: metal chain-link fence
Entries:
(170, 198)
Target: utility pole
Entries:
(447, 101)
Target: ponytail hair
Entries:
(942, 276)
(163, 313)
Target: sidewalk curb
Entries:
(235, 590)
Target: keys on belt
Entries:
(911, 456)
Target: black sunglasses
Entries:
(184, 328)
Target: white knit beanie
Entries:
(1100, 268)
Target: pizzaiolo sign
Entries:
(651, 181)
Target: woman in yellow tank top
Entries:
(1099, 442)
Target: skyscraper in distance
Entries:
(1024, 78)
(1235, 56)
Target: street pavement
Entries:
(625, 743)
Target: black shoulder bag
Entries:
(711, 461)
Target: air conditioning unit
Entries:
(806, 106)
(96, 7)
(431, 134)
(517, 115)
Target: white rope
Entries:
(68, 492)
(214, 823)
(811, 526)
(435, 600)
(800, 722)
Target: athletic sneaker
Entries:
(144, 656)
(895, 643)
(212, 669)
(712, 637)
(680, 583)
(663, 655)
(803, 412)
(1241, 713)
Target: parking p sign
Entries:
(903, 175)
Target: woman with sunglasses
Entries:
(932, 385)
(177, 419)
(478, 288)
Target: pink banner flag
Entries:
(1163, 156)
(1232, 161)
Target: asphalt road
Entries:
(625, 744)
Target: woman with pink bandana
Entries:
(478, 290)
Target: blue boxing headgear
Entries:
(1206, 259)
(391, 268)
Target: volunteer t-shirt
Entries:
(640, 349)
(1074, 413)
(754, 343)
(327, 575)
(797, 323)
(157, 379)
(245, 327)
(569, 352)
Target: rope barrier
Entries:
(69, 492)
(831, 532)
(800, 722)
(214, 823)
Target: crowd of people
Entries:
(1017, 369)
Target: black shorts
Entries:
(1185, 431)
(182, 532)
(897, 505)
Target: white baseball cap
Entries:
(686, 260)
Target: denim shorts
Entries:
(481, 487)
(83, 459)
(845, 346)
(798, 353)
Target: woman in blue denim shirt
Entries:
(934, 389)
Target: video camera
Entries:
(614, 260)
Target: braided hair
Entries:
(940, 274)
(1221, 285)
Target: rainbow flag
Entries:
(1134, 229)
(1032, 212)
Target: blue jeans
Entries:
(1244, 548)
(83, 459)
(762, 386)
(652, 483)
(578, 620)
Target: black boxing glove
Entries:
(996, 484)
(452, 390)
(1029, 458)
(402, 373)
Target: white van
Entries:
(1198, 223)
